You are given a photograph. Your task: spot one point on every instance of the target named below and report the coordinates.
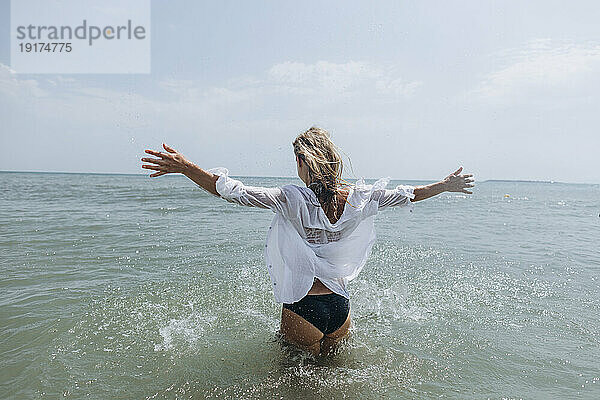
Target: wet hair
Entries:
(315, 148)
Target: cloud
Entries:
(542, 69)
(292, 88)
(11, 85)
(322, 75)
(299, 85)
(285, 97)
(331, 78)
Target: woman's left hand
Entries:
(459, 183)
(171, 162)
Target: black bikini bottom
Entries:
(327, 312)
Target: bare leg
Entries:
(300, 332)
(330, 341)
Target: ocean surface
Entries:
(117, 286)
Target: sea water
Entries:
(122, 286)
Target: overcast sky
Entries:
(408, 89)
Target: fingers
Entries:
(169, 149)
(160, 168)
(458, 171)
(159, 154)
(156, 153)
(162, 164)
(466, 191)
(154, 167)
(154, 161)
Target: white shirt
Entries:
(303, 244)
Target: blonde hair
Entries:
(315, 148)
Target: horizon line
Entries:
(294, 177)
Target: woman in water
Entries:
(320, 236)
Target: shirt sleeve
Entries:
(400, 196)
(234, 191)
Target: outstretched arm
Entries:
(174, 162)
(218, 184)
(452, 183)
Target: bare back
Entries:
(341, 201)
(318, 287)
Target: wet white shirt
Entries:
(303, 244)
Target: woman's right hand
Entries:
(459, 183)
(171, 162)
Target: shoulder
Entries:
(291, 188)
(293, 191)
(294, 188)
(366, 189)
